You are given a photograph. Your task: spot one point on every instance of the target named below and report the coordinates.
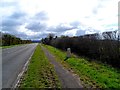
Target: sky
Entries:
(35, 19)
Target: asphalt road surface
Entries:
(13, 61)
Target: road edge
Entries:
(17, 81)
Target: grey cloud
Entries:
(41, 16)
(39, 36)
(9, 29)
(61, 28)
(32, 37)
(17, 34)
(36, 26)
(88, 30)
(21, 35)
(17, 15)
(36, 23)
(80, 32)
(12, 22)
(75, 24)
(10, 25)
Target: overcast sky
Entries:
(35, 19)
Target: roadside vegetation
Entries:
(103, 47)
(7, 40)
(92, 74)
(40, 73)
(4, 47)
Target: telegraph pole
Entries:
(118, 29)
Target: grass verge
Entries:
(4, 47)
(40, 73)
(92, 74)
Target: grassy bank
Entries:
(40, 73)
(92, 74)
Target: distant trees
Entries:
(8, 39)
(104, 47)
(48, 39)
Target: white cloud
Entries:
(99, 15)
(71, 32)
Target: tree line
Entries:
(103, 47)
(8, 39)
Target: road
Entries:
(13, 61)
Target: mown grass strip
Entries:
(40, 73)
(93, 74)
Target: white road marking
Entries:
(22, 72)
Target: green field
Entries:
(40, 73)
(92, 74)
